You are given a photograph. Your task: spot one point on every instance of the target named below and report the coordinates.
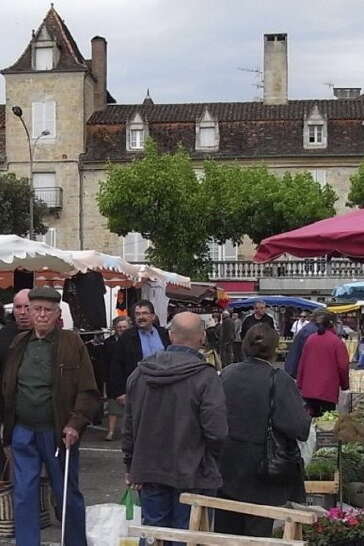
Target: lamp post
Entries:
(18, 112)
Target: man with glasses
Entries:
(50, 396)
(142, 341)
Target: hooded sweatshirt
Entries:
(175, 421)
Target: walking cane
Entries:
(65, 486)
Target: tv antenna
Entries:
(330, 85)
(258, 74)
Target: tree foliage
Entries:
(14, 207)
(161, 197)
(356, 193)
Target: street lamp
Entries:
(18, 112)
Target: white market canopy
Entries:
(17, 252)
(84, 260)
(155, 274)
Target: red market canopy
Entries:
(336, 236)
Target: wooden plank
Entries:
(328, 487)
(195, 520)
(292, 531)
(272, 512)
(210, 539)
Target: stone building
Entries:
(66, 95)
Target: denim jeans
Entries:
(29, 450)
(161, 507)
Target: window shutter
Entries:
(49, 118)
(37, 119)
(207, 137)
(44, 180)
(135, 247)
(43, 58)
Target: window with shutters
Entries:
(43, 58)
(50, 237)
(319, 175)
(207, 133)
(46, 190)
(135, 247)
(227, 252)
(44, 119)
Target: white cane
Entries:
(65, 486)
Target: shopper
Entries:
(247, 387)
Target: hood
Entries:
(167, 367)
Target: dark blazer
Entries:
(246, 385)
(127, 353)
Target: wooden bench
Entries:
(160, 534)
(199, 527)
(293, 518)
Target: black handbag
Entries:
(281, 458)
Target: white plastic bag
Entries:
(308, 447)
(105, 524)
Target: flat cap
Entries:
(45, 293)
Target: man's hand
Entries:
(70, 436)
(121, 400)
(129, 483)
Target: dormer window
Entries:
(137, 139)
(315, 130)
(315, 134)
(43, 58)
(45, 53)
(136, 133)
(207, 133)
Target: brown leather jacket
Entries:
(75, 394)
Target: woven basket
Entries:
(357, 381)
(7, 523)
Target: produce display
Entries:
(327, 421)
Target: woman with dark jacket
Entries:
(247, 387)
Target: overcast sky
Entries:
(190, 50)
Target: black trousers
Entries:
(237, 351)
(233, 523)
(317, 407)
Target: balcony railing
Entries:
(53, 197)
(291, 269)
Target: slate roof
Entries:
(70, 56)
(247, 130)
(230, 111)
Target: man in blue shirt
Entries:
(135, 344)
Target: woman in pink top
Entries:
(323, 368)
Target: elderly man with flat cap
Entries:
(50, 397)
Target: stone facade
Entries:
(91, 130)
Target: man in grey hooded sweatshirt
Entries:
(175, 426)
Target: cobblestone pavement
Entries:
(101, 477)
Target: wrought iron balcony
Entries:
(315, 268)
(53, 197)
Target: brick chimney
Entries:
(275, 69)
(99, 70)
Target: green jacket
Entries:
(75, 394)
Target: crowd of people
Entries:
(187, 426)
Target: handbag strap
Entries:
(272, 392)
(269, 426)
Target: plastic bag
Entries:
(308, 447)
(105, 524)
(130, 504)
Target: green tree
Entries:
(161, 197)
(356, 193)
(14, 207)
(257, 203)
